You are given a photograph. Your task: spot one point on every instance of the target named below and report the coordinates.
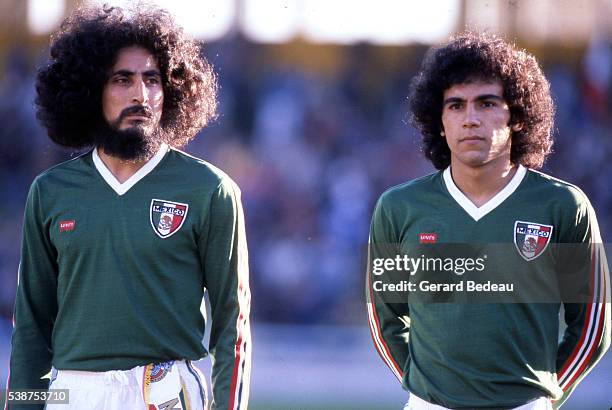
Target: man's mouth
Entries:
(471, 138)
(137, 117)
(137, 113)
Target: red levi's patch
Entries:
(428, 237)
(67, 225)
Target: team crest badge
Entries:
(159, 370)
(531, 238)
(167, 217)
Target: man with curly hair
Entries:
(485, 113)
(120, 243)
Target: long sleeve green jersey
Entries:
(490, 355)
(112, 275)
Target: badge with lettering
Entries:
(428, 237)
(65, 226)
(531, 238)
(167, 217)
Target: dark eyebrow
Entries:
(489, 97)
(150, 73)
(452, 100)
(127, 73)
(482, 97)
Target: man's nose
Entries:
(140, 93)
(471, 118)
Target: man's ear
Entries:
(516, 127)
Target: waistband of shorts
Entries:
(110, 377)
(418, 403)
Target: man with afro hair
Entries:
(516, 244)
(121, 242)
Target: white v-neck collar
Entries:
(122, 188)
(478, 212)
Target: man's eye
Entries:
(120, 80)
(454, 106)
(153, 81)
(488, 104)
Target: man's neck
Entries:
(480, 184)
(121, 169)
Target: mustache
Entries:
(136, 109)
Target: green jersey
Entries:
(112, 274)
(488, 355)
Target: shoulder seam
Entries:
(409, 183)
(560, 181)
(46, 171)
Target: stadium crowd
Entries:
(311, 152)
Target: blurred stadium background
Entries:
(313, 126)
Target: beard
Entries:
(136, 143)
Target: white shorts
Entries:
(127, 389)
(417, 403)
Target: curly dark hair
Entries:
(69, 86)
(469, 57)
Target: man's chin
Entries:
(135, 143)
(131, 153)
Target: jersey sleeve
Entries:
(587, 336)
(226, 278)
(35, 303)
(388, 320)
